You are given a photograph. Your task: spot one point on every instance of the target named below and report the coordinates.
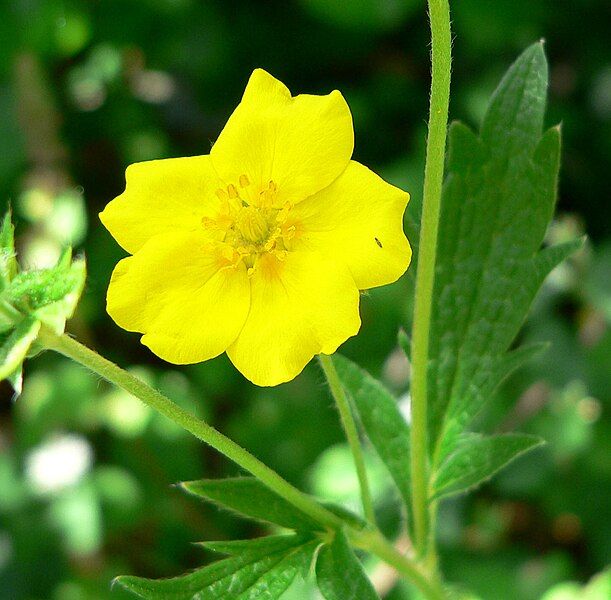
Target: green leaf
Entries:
(349, 517)
(263, 569)
(497, 202)
(15, 347)
(8, 260)
(405, 342)
(477, 458)
(492, 375)
(339, 573)
(382, 420)
(248, 497)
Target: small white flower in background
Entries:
(58, 463)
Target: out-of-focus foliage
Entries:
(86, 471)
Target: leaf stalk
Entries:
(347, 418)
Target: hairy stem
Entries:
(369, 538)
(374, 542)
(206, 433)
(439, 13)
(347, 419)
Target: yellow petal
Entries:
(300, 306)
(301, 144)
(162, 196)
(178, 290)
(357, 220)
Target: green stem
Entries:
(377, 544)
(369, 539)
(347, 419)
(72, 349)
(439, 12)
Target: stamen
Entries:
(248, 231)
(232, 191)
(228, 253)
(208, 223)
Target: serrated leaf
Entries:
(382, 420)
(497, 202)
(248, 497)
(15, 346)
(339, 573)
(263, 570)
(492, 375)
(477, 458)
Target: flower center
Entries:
(250, 229)
(252, 225)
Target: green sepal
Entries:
(248, 497)
(15, 346)
(255, 570)
(340, 575)
(8, 259)
(49, 294)
(477, 458)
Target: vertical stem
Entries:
(439, 13)
(347, 419)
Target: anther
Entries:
(221, 194)
(232, 191)
(244, 181)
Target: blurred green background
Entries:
(85, 471)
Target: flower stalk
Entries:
(369, 538)
(206, 433)
(439, 14)
(349, 425)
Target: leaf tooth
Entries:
(518, 104)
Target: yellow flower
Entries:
(260, 248)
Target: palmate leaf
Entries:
(339, 573)
(382, 420)
(498, 200)
(247, 496)
(476, 458)
(256, 570)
